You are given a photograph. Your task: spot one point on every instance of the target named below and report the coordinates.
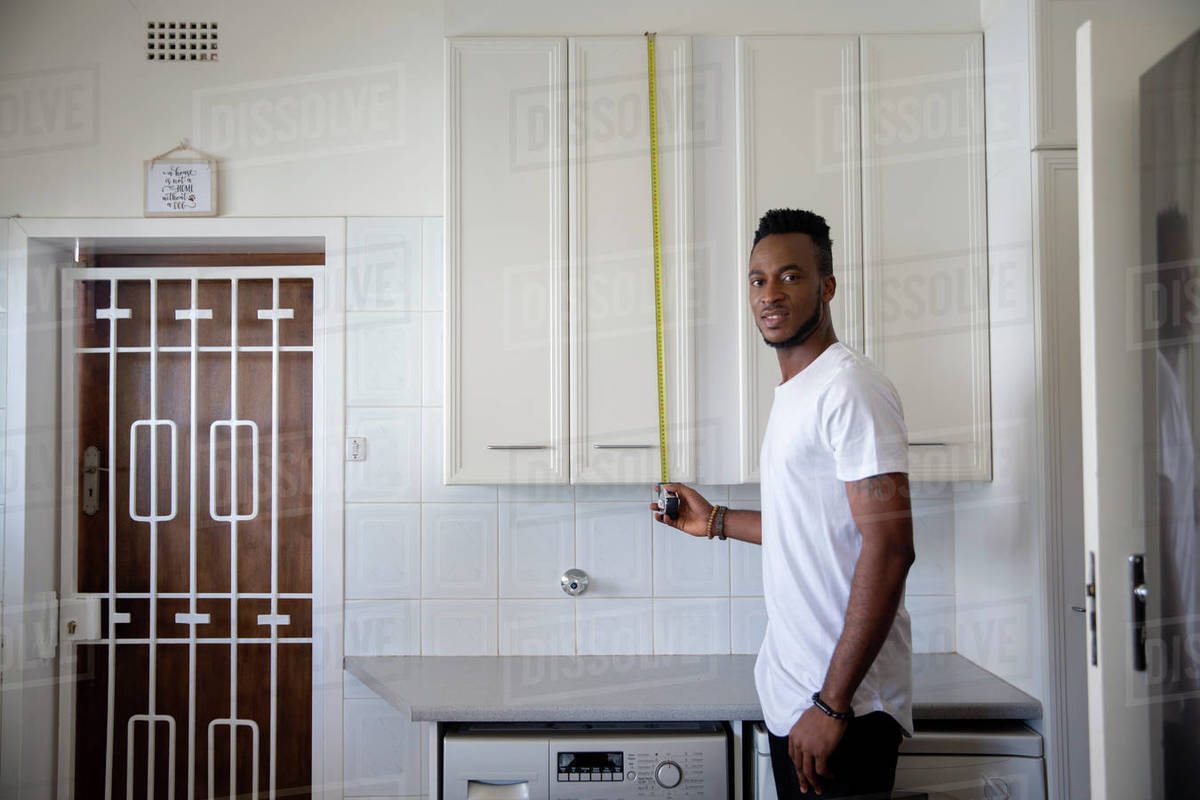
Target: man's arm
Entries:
(883, 514)
(694, 511)
(881, 509)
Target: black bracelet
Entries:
(821, 704)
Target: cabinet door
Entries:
(506, 261)
(798, 147)
(614, 372)
(925, 244)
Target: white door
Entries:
(1139, 200)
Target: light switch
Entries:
(356, 448)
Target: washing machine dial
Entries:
(668, 774)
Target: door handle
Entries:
(1091, 603)
(91, 480)
(1138, 593)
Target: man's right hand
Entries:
(693, 510)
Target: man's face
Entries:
(787, 292)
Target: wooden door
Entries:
(192, 400)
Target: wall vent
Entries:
(181, 41)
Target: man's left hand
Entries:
(811, 742)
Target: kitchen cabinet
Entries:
(550, 327)
(506, 250)
(614, 386)
(924, 230)
(798, 147)
(883, 136)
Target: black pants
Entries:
(863, 765)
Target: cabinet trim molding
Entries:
(1055, 176)
(848, 272)
(972, 459)
(674, 91)
(554, 50)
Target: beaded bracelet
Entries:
(711, 516)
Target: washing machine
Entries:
(586, 761)
(1001, 760)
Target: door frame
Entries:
(29, 752)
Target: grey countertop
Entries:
(633, 688)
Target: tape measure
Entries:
(658, 304)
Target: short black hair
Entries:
(792, 220)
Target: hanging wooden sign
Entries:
(180, 187)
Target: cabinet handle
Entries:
(625, 446)
(518, 447)
(928, 444)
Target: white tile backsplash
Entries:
(458, 550)
(593, 492)
(383, 627)
(747, 624)
(550, 493)
(537, 544)
(391, 471)
(537, 627)
(382, 750)
(383, 263)
(741, 494)
(459, 627)
(433, 479)
(383, 358)
(692, 625)
(383, 550)
(688, 566)
(933, 541)
(612, 542)
(614, 626)
(432, 358)
(745, 568)
(933, 623)
(433, 268)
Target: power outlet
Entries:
(356, 448)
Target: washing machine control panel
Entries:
(640, 764)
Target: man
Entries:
(834, 673)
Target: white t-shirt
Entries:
(838, 420)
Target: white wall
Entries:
(473, 570)
(997, 526)
(314, 110)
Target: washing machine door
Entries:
(972, 777)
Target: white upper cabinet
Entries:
(798, 147)
(551, 367)
(506, 256)
(614, 385)
(925, 244)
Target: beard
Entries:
(802, 333)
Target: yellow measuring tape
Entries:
(658, 305)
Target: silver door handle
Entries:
(625, 446)
(518, 447)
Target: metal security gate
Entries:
(187, 651)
